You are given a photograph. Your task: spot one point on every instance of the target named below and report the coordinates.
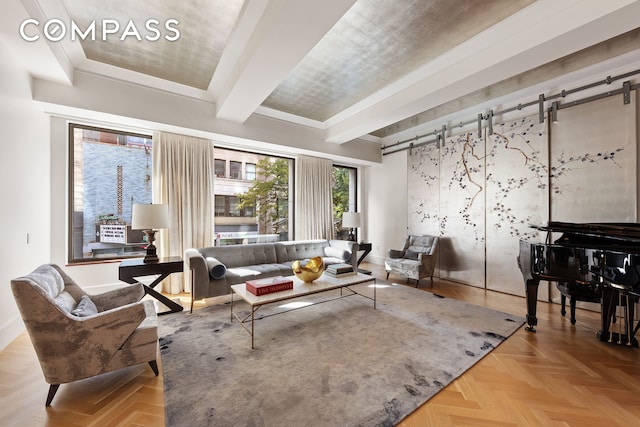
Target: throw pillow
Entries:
(85, 307)
(337, 253)
(217, 270)
(409, 254)
(65, 301)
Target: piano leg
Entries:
(572, 307)
(572, 303)
(532, 302)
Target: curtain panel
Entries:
(183, 179)
(314, 203)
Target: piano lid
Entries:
(615, 235)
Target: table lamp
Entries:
(351, 220)
(149, 218)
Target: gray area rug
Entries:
(338, 363)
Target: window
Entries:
(235, 170)
(344, 197)
(220, 208)
(254, 209)
(229, 206)
(250, 172)
(220, 168)
(233, 206)
(111, 171)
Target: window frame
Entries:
(215, 168)
(233, 163)
(353, 198)
(71, 182)
(252, 212)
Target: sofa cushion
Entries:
(217, 270)
(241, 255)
(407, 267)
(85, 307)
(250, 272)
(422, 243)
(299, 250)
(411, 254)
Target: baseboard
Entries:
(10, 331)
(375, 259)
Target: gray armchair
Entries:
(416, 260)
(78, 336)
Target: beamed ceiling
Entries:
(352, 68)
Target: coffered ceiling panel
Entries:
(346, 69)
(375, 43)
(204, 26)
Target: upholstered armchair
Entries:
(76, 335)
(416, 260)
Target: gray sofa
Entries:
(214, 269)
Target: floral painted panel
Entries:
(423, 196)
(482, 203)
(593, 162)
(462, 207)
(517, 196)
(594, 166)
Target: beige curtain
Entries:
(313, 200)
(183, 179)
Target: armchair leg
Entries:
(53, 388)
(154, 366)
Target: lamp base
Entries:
(151, 255)
(351, 237)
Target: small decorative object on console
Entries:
(269, 285)
(311, 271)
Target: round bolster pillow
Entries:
(217, 270)
(337, 253)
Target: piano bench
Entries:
(575, 292)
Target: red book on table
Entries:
(268, 285)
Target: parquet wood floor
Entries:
(560, 376)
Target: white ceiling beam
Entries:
(41, 58)
(272, 36)
(545, 31)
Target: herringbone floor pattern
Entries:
(560, 376)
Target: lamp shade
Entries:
(351, 219)
(149, 216)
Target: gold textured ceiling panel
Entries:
(204, 26)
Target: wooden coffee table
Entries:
(322, 284)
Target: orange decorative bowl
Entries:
(311, 271)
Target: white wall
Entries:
(385, 205)
(26, 189)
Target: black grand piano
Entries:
(598, 262)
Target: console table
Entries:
(131, 268)
(366, 248)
